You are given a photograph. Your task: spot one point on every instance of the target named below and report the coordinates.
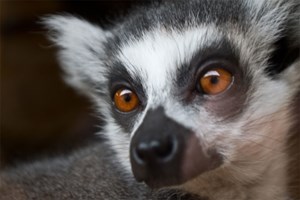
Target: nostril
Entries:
(155, 151)
(141, 153)
(164, 150)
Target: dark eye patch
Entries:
(226, 105)
(119, 77)
(188, 73)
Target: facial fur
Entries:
(160, 52)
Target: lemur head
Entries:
(189, 88)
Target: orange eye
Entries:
(126, 100)
(215, 81)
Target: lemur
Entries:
(198, 98)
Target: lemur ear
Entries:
(287, 46)
(81, 49)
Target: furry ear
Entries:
(286, 47)
(81, 51)
(275, 27)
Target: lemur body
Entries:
(196, 96)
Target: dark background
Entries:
(40, 115)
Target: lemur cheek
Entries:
(196, 160)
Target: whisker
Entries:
(263, 116)
(268, 137)
(259, 123)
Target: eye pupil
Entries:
(127, 98)
(214, 80)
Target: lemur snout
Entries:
(165, 153)
(159, 150)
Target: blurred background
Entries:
(40, 115)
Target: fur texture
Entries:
(153, 50)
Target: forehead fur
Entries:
(157, 42)
(159, 54)
(152, 41)
(262, 15)
(253, 26)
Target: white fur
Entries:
(156, 58)
(159, 53)
(74, 36)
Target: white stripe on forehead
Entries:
(158, 53)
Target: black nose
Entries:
(165, 153)
(155, 151)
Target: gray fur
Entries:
(90, 173)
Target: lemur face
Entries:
(188, 92)
(187, 88)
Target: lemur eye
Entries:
(126, 100)
(215, 81)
